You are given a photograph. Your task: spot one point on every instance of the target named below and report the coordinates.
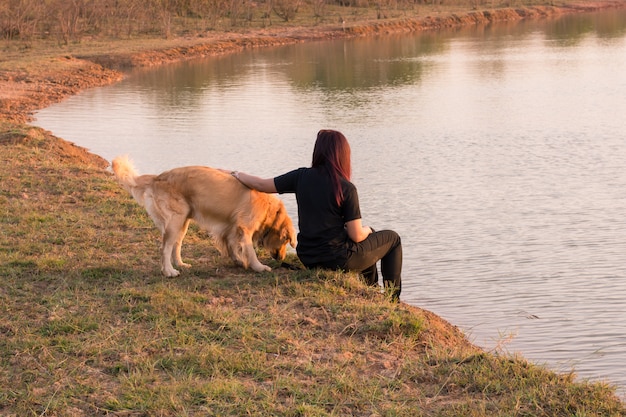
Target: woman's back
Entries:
(320, 219)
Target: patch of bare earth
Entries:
(22, 91)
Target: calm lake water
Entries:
(496, 152)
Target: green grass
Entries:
(89, 327)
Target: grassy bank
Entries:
(89, 327)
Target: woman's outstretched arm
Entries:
(265, 185)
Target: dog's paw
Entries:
(183, 265)
(170, 273)
(261, 268)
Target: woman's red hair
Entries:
(332, 152)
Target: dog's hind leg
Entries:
(178, 260)
(172, 238)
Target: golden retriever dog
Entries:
(237, 217)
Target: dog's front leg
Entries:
(249, 255)
(241, 250)
(254, 262)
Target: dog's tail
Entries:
(125, 172)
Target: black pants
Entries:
(384, 246)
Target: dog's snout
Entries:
(280, 253)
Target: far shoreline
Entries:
(23, 92)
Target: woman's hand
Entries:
(356, 231)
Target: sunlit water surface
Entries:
(497, 153)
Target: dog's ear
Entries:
(287, 232)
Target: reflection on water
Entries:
(497, 152)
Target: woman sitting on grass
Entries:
(331, 233)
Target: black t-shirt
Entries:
(321, 220)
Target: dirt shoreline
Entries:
(24, 92)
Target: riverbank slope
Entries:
(89, 327)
